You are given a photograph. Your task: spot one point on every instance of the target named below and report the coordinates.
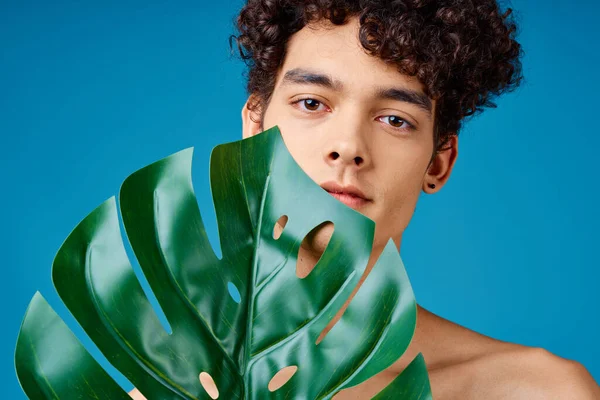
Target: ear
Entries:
(440, 168)
(251, 123)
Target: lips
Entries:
(349, 195)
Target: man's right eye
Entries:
(307, 104)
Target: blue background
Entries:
(90, 93)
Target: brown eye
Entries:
(395, 120)
(398, 123)
(310, 103)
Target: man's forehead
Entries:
(325, 40)
(335, 50)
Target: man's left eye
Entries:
(397, 122)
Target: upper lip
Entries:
(335, 187)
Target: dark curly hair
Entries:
(462, 51)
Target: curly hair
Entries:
(464, 52)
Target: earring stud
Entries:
(432, 185)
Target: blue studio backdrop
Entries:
(89, 93)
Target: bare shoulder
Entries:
(529, 373)
(464, 364)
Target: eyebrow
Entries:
(303, 76)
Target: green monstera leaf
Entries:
(240, 318)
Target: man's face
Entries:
(350, 133)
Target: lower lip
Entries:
(349, 200)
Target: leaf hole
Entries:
(208, 384)
(312, 247)
(234, 292)
(282, 377)
(279, 225)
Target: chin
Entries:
(318, 238)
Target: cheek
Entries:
(303, 149)
(401, 181)
(295, 137)
(397, 192)
(301, 142)
(402, 168)
(399, 199)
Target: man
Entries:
(370, 95)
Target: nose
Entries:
(334, 155)
(347, 150)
